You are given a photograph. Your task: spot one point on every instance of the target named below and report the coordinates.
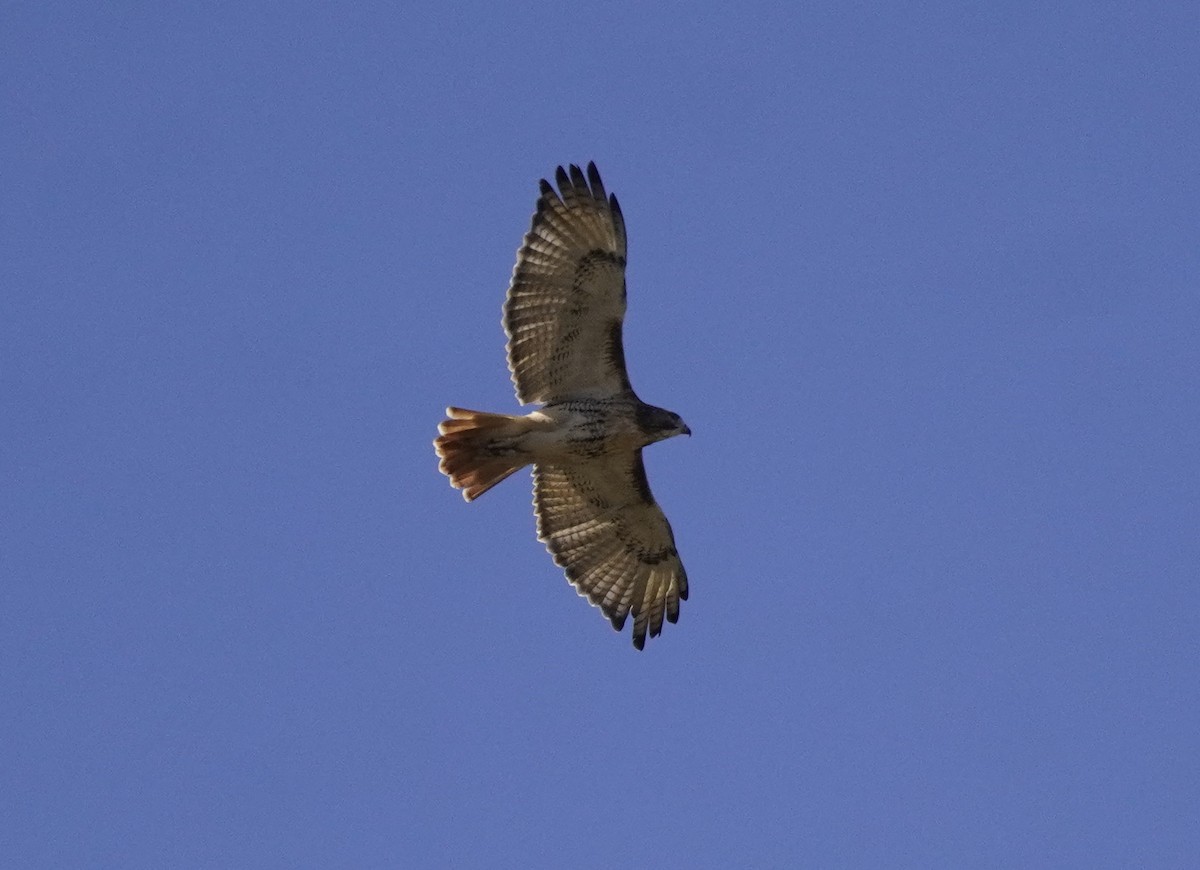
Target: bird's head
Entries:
(660, 424)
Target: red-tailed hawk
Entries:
(563, 317)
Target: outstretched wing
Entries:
(566, 302)
(601, 523)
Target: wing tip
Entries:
(546, 199)
(571, 179)
(596, 184)
(577, 179)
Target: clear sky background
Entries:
(924, 280)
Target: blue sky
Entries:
(923, 279)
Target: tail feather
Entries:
(478, 449)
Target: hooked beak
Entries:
(685, 430)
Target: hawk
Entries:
(563, 317)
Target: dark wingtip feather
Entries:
(560, 175)
(577, 179)
(595, 182)
(639, 641)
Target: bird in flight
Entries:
(563, 317)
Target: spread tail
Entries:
(478, 449)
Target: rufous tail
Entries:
(478, 449)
